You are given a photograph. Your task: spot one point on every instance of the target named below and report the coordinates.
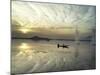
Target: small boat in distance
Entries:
(63, 46)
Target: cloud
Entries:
(34, 15)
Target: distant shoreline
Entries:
(49, 39)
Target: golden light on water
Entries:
(24, 46)
(25, 49)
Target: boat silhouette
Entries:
(63, 46)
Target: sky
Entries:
(52, 20)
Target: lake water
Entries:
(30, 56)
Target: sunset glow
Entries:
(24, 30)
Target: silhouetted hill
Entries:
(39, 38)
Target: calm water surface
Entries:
(30, 56)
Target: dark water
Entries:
(43, 56)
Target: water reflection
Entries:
(29, 56)
(25, 49)
(29, 50)
(24, 46)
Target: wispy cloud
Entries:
(48, 16)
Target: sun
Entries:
(24, 30)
